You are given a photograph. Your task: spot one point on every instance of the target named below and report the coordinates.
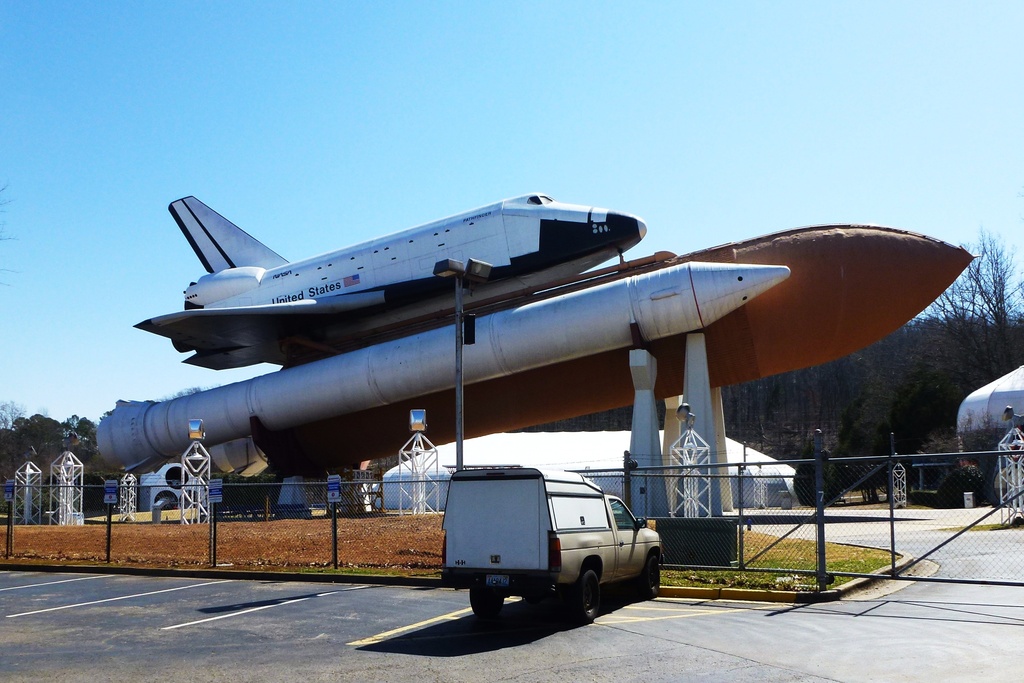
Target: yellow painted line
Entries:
(451, 616)
(617, 619)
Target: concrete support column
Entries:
(706, 404)
(648, 494)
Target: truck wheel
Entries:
(485, 602)
(585, 599)
(649, 581)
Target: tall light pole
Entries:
(473, 271)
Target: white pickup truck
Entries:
(520, 531)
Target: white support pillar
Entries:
(647, 494)
(293, 492)
(706, 404)
(673, 429)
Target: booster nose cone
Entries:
(720, 289)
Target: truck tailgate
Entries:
(499, 531)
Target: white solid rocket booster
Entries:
(664, 302)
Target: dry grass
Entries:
(391, 542)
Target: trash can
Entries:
(968, 499)
(786, 500)
(158, 509)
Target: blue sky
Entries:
(319, 125)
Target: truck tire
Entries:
(485, 602)
(585, 597)
(649, 581)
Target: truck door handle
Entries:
(622, 543)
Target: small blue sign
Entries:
(110, 491)
(216, 490)
(334, 488)
(9, 490)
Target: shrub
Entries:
(950, 493)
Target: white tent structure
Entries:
(582, 451)
(984, 407)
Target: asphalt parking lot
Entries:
(94, 627)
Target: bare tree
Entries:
(982, 316)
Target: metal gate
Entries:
(952, 517)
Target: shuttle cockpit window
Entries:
(540, 199)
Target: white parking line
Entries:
(123, 597)
(257, 609)
(50, 583)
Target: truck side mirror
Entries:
(640, 523)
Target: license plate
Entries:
(497, 580)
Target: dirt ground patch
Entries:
(407, 542)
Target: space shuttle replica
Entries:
(366, 333)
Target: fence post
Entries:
(334, 533)
(10, 528)
(627, 480)
(213, 534)
(110, 518)
(892, 507)
(741, 470)
(819, 505)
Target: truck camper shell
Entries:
(531, 532)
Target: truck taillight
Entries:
(554, 553)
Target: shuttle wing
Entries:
(235, 337)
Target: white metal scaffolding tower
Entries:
(28, 490)
(66, 475)
(899, 486)
(1011, 475)
(692, 489)
(127, 498)
(195, 488)
(418, 491)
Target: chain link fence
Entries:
(805, 522)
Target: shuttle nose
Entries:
(625, 224)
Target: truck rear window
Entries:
(575, 512)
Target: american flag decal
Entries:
(351, 280)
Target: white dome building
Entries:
(598, 452)
(983, 408)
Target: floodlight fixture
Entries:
(685, 415)
(449, 267)
(1007, 413)
(195, 430)
(478, 271)
(417, 420)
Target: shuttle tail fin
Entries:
(218, 242)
